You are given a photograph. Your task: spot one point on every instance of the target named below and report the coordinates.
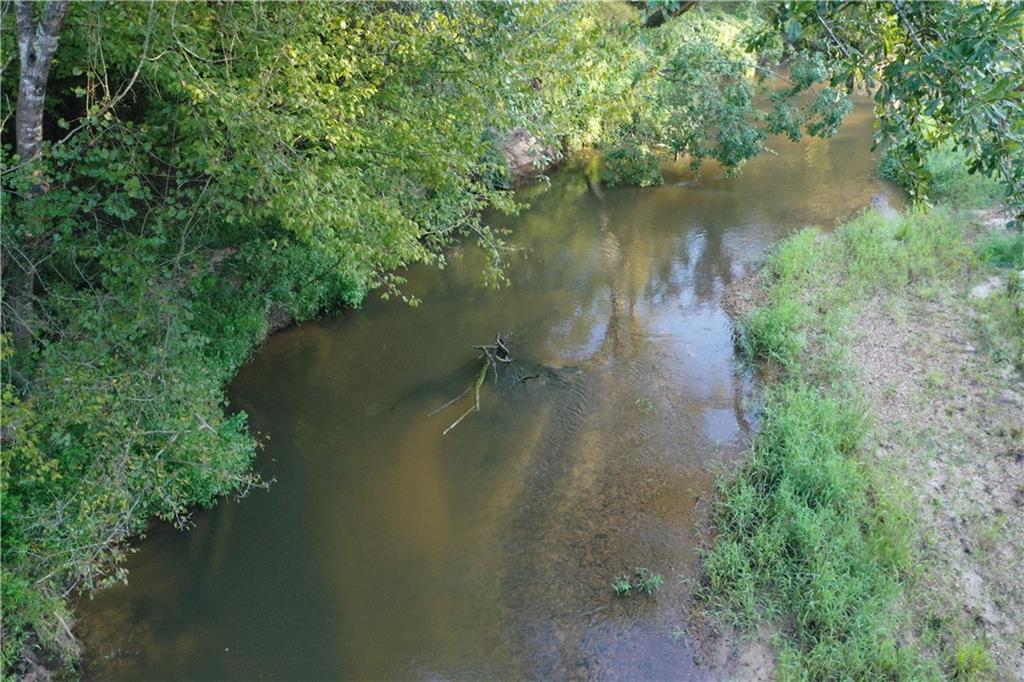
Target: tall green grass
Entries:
(1002, 249)
(808, 538)
(1002, 321)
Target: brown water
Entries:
(386, 550)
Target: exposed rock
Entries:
(527, 156)
(31, 669)
(278, 318)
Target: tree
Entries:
(205, 164)
(941, 72)
(38, 29)
(711, 98)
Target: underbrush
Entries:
(126, 418)
(1002, 318)
(809, 538)
(1003, 250)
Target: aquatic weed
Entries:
(642, 580)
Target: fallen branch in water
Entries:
(492, 355)
(476, 404)
(498, 352)
(452, 401)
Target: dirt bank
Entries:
(948, 413)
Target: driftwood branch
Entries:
(452, 401)
(481, 377)
(492, 355)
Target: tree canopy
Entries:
(940, 72)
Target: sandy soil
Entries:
(949, 423)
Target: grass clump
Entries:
(1002, 249)
(971, 661)
(642, 581)
(1002, 321)
(808, 538)
(645, 406)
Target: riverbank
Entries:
(870, 535)
(222, 179)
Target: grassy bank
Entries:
(815, 537)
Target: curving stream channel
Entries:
(386, 550)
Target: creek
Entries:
(384, 549)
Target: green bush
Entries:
(948, 179)
(631, 165)
(1004, 250)
(127, 418)
(951, 182)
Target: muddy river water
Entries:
(384, 550)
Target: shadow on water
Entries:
(386, 550)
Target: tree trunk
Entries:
(37, 43)
(38, 33)
(660, 15)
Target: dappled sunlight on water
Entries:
(386, 550)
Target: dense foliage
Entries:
(714, 99)
(942, 73)
(207, 167)
(632, 165)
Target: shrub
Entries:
(631, 165)
(1004, 250)
(949, 180)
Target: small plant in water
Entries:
(645, 405)
(622, 586)
(642, 580)
(646, 581)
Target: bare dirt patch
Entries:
(948, 421)
(732, 656)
